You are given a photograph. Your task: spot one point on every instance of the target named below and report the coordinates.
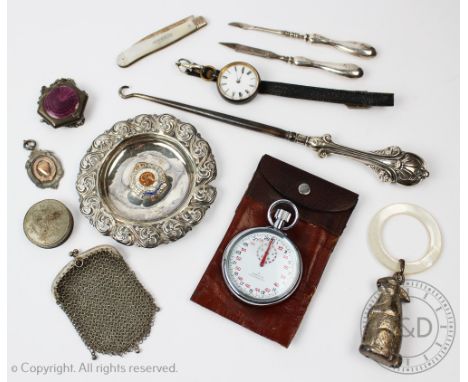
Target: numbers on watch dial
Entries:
(262, 267)
(238, 82)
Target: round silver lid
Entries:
(48, 223)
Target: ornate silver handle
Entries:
(390, 164)
(347, 70)
(351, 47)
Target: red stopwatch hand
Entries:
(262, 261)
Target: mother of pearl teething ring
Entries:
(434, 248)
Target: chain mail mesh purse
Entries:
(112, 312)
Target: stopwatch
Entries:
(261, 265)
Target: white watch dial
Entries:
(238, 81)
(262, 266)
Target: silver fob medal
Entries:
(261, 265)
(43, 167)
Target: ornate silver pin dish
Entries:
(146, 181)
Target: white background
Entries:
(418, 60)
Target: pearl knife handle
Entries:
(160, 39)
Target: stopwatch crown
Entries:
(282, 217)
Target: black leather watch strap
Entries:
(348, 97)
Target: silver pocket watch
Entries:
(261, 265)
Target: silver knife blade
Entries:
(251, 50)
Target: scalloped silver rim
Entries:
(163, 231)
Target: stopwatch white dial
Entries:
(262, 266)
(238, 82)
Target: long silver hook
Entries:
(391, 164)
(122, 93)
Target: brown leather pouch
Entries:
(323, 214)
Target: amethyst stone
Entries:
(61, 102)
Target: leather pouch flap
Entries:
(325, 204)
(323, 196)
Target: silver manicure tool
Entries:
(346, 70)
(352, 47)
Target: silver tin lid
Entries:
(48, 223)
